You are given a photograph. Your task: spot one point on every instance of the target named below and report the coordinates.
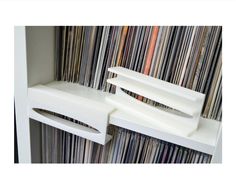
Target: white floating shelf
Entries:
(83, 102)
(203, 139)
(156, 83)
(84, 106)
(151, 93)
(185, 104)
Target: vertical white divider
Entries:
(20, 87)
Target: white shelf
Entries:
(85, 106)
(185, 104)
(204, 139)
(157, 83)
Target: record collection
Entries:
(189, 56)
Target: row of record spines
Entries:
(61, 147)
(69, 73)
(189, 56)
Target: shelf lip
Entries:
(121, 119)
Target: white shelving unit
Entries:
(36, 89)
